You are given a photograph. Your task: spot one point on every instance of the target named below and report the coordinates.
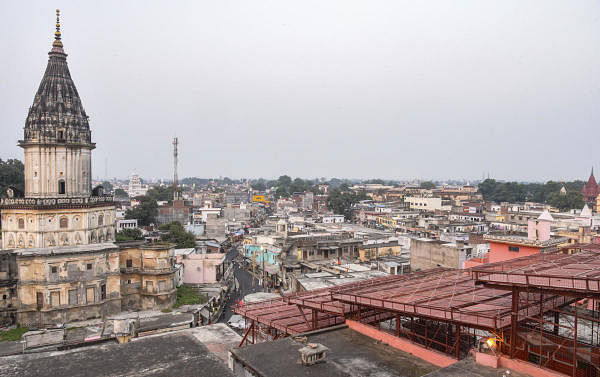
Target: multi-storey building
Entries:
(148, 278)
(61, 265)
(65, 284)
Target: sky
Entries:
(340, 88)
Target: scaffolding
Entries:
(544, 309)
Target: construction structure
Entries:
(175, 179)
(542, 309)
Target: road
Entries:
(244, 279)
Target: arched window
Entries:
(64, 223)
(61, 186)
(100, 220)
(21, 223)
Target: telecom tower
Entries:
(175, 180)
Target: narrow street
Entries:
(244, 279)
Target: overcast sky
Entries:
(364, 89)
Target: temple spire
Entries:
(57, 42)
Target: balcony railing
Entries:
(149, 271)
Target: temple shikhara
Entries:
(58, 207)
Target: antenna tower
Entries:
(175, 180)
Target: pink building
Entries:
(503, 248)
(202, 268)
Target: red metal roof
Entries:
(577, 274)
(440, 294)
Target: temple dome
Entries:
(57, 114)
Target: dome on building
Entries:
(57, 114)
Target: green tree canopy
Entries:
(129, 234)
(175, 233)
(160, 193)
(259, 185)
(12, 173)
(145, 212)
(341, 202)
(571, 200)
(107, 186)
(548, 192)
(121, 193)
(427, 185)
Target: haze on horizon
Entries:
(379, 89)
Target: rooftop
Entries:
(576, 273)
(57, 250)
(517, 240)
(181, 354)
(350, 354)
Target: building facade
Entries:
(66, 284)
(148, 276)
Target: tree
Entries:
(428, 185)
(129, 234)
(121, 193)
(259, 185)
(548, 192)
(160, 193)
(107, 186)
(175, 233)
(12, 173)
(284, 180)
(341, 202)
(572, 200)
(145, 212)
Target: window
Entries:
(129, 263)
(72, 296)
(162, 285)
(149, 286)
(55, 299)
(90, 294)
(21, 223)
(88, 266)
(61, 187)
(100, 220)
(53, 269)
(64, 222)
(60, 135)
(513, 248)
(103, 292)
(39, 296)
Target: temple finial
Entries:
(57, 42)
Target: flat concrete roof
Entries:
(89, 248)
(350, 354)
(186, 353)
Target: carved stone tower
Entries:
(59, 206)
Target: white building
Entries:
(427, 204)
(136, 188)
(126, 224)
(332, 219)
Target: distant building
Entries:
(178, 211)
(136, 188)
(590, 190)
(126, 224)
(202, 268)
(427, 204)
(332, 219)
